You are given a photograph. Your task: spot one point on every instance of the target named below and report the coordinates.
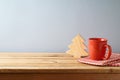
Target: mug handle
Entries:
(109, 51)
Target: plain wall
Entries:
(50, 25)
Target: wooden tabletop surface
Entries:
(47, 63)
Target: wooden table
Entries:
(51, 66)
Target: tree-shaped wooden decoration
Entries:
(77, 49)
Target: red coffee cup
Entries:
(98, 49)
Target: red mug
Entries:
(98, 49)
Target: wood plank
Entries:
(59, 76)
(56, 68)
(32, 54)
(36, 61)
(47, 63)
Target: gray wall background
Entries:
(50, 25)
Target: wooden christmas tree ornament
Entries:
(77, 48)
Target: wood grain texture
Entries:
(51, 66)
(47, 63)
(59, 76)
